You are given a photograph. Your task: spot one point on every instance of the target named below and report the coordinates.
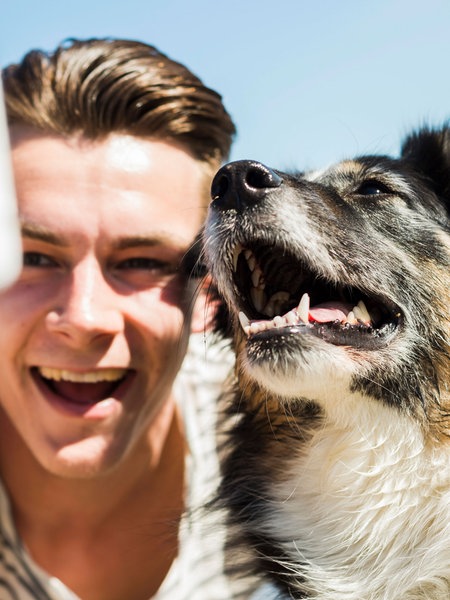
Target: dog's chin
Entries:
(289, 364)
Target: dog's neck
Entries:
(351, 500)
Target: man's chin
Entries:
(85, 459)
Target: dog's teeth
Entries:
(244, 321)
(361, 313)
(257, 276)
(351, 319)
(291, 317)
(256, 327)
(259, 298)
(303, 308)
(236, 253)
(362, 307)
(250, 258)
(357, 313)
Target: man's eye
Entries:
(36, 259)
(146, 264)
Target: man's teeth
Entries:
(86, 377)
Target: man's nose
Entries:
(86, 307)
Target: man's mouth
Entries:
(277, 291)
(84, 388)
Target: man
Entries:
(101, 450)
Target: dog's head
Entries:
(339, 280)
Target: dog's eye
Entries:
(373, 188)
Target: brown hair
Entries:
(98, 86)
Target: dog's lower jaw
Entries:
(361, 506)
(306, 371)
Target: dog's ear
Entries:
(428, 151)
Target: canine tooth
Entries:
(87, 377)
(303, 308)
(244, 320)
(251, 260)
(259, 299)
(236, 252)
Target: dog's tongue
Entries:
(84, 393)
(329, 312)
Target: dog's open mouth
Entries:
(276, 292)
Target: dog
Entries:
(337, 284)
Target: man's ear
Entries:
(209, 312)
(207, 305)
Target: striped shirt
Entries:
(198, 572)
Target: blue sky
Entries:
(307, 82)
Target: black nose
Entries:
(242, 183)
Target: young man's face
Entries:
(95, 329)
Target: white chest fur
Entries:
(365, 508)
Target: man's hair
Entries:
(99, 86)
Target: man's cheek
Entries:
(180, 292)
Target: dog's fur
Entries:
(339, 470)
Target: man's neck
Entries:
(77, 529)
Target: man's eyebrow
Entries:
(37, 232)
(40, 233)
(158, 239)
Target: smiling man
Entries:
(102, 450)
